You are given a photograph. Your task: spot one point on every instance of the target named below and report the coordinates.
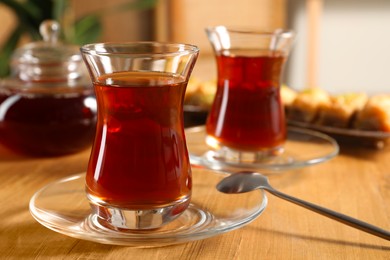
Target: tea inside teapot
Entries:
(47, 104)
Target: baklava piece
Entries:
(200, 93)
(191, 95)
(341, 110)
(288, 96)
(375, 116)
(306, 105)
(207, 90)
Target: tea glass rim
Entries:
(99, 48)
(284, 33)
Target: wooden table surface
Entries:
(356, 183)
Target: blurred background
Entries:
(340, 46)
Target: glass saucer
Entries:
(303, 147)
(63, 207)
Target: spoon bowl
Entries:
(245, 181)
(242, 182)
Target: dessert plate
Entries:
(63, 207)
(303, 147)
(377, 139)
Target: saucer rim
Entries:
(203, 161)
(137, 239)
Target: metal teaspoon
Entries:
(241, 182)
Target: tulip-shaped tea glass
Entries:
(139, 174)
(246, 122)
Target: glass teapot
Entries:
(47, 105)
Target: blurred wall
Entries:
(354, 42)
(7, 21)
(189, 18)
(129, 25)
(178, 21)
(186, 20)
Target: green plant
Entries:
(31, 13)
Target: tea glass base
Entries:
(126, 219)
(229, 155)
(302, 148)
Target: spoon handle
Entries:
(334, 215)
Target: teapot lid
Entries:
(49, 60)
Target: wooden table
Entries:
(357, 183)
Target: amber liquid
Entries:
(47, 125)
(247, 112)
(139, 159)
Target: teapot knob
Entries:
(50, 31)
